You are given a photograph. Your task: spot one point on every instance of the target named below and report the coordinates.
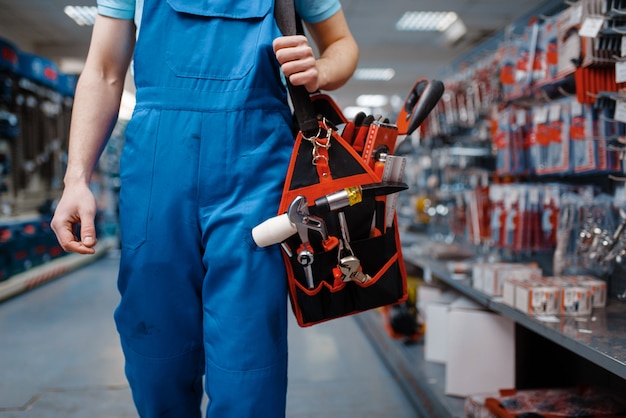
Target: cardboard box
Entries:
(436, 335)
(477, 275)
(427, 293)
(598, 290)
(576, 301)
(538, 298)
(480, 350)
(597, 287)
(576, 298)
(490, 278)
(508, 291)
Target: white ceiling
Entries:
(41, 27)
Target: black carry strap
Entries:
(285, 14)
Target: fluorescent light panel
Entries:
(381, 74)
(426, 21)
(82, 15)
(372, 100)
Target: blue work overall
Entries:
(205, 158)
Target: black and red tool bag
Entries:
(343, 254)
(326, 167)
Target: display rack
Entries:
(550, 351)
(421, 381)
(588, 350)
(600, 339)
(584, 350)
(51, 270)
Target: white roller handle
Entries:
(273, 230)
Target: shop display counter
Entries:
(551, 351)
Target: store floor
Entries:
(60, 358)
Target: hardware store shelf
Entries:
(51, 270)
(422, 381)
(600, 338)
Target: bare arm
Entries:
(96, 105)
(338, 58)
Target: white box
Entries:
(490, 278)
(427, 293)
(576, 301)
(537, 298)
(436, 335)
(598, 290)
(477, 275)
(480, 350)
(508, 291)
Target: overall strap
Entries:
(290, 24)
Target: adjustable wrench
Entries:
(299, 215)
(350, 265)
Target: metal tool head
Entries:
(348, 266)
(299, 215)
(298, 210)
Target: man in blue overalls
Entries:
(205, 157)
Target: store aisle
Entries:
(60, 358)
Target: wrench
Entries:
(299, 215)
(350, 266)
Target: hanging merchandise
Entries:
(586, 227)
(35, 104)
(524, 216)
(511, 141)
(478, 210)
(9, 123)
(42, 109)
(9, 67)
(558, 158)
(547, 56)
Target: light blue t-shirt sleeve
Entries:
(314, 11)
(120, 9)
(311, 11)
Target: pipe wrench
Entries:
(299, 215)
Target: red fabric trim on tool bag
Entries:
(326, 305)
(327, 301)
(378, 251)
(305, 181)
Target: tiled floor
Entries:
(60, 358)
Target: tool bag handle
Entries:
(290, 24)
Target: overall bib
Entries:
(205, 158)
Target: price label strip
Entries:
(394, 171)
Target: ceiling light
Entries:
(351, 111)
(426, 21)
(372, 100)
(82, 15)
(455, 32)
(382, 74)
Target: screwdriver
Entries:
(355, 194)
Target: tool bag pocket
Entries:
(347, 260)
(333, 298)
